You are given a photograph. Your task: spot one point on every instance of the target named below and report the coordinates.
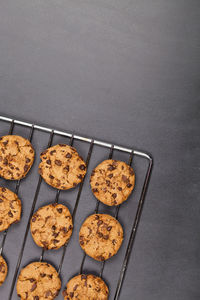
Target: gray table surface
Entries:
(126, 72)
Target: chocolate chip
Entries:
(59, 210)
(71, 294)
(2, 268)
(33, 287)
(68, 155)
(106, 237)
(111, 167)
(125, 179)
(10, 214)
(96, 184)
(36, 298)
(119, 188)
(42, 275)
(80, 177)
(66, 168)
(54, 234)
(82, 167)
(58, 162)
(26, 167)
(109, 228)
(82, 243)
(3, 189)
(64, 229)
(51, 176)
(64, 293)
(55, 241)
(5, 143)
(31, 279)
(75, 287)
(83, 276)
(92, 174)
(114, 195)
(48, 293)
(48, 162)
(129, 185)
(52, 152)
(5, 162)
(113, 241)
(95, 190)
(99, 222)
(34, 219)
(96, 217)
(27, 160)
(108, 182)
(44, 152)
(50, 276)
(131, 171)
(100, 257)
(53, 227)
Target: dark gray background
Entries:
(127, 72)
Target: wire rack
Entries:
(92, 142)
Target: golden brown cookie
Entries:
(62, 167)
(3, 270)
(101, 236)
(10, 208)
(112, 182)
(38, 281)
(16, 157)
(51, 226)
(86, 287)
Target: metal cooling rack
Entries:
(92, 142)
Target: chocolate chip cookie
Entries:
(86, 287)
(112, 182)
(3, 270)
(101, 236)
(37, 281)
(62, 167)
(51, 226)
(10, 208)
(16, 157)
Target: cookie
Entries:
(86, 287)
(112, 182)
(51, 226)
(16, 157)
(101, 236)
(62, 167)
(38, 281)
(10, 208)
(3, 270)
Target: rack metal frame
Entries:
(91, 142)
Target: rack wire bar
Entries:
(133, 231)
(92, 142)
(28, 224)
(56, 200)
(116, 214)
(76, 203)
(17, 184)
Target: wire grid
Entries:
(92, 142)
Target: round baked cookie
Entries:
(3, 270)
(16, 157)
(86, 287)
(51, 226)
(10, 208)
(62, 167)
(101, 236)
(38, 281)
(112, 181)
